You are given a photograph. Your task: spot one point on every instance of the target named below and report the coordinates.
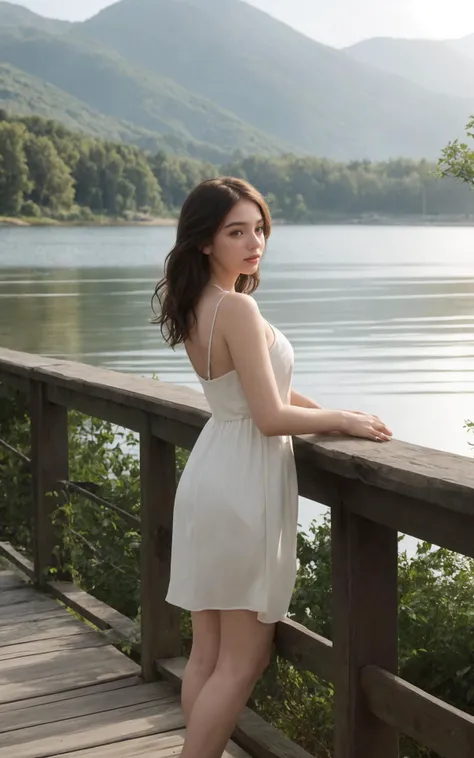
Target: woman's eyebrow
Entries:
(242, 223)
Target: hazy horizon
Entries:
(334, 25)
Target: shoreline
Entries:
(21, 222)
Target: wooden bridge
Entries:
(66, 690)
(64, 686)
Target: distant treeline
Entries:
(47, 170)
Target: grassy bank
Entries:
(22, 221)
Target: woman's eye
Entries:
(236, 233)
(260, 229)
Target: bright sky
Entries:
(337, 23)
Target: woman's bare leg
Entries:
(203, 658)
(245, 648)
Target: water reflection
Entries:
(380, 318)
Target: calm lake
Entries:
(381, 318)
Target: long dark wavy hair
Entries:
(187, 269)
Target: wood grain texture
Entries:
(365, 629)
(160, 621)
(445, 729)
(33, 611)
(59, 627)
(10, 580)
(98, 613)
(60, 697)
(85, 639)
(157, 746)
(84, 705)
(42, 674)
(305, 649)
(17, 559)
(17, 596)
(93, 730)
(49, 464)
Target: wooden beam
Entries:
(12, 382)
(305, 649)
(451, 529)
(444, 729)
(107, 409)
(161, 635)
(100, 614)
(17, 559)
(417, 472)
(430, 476)
(49, 464)
(365, 611)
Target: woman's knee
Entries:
(203, 660)
(246, 646)
(206, 642)
(245, 670)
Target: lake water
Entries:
(381, 318)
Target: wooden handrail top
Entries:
(428, 476)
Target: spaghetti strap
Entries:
(211, 336)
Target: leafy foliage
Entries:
(46, 169)
(14, 178)
(457, 159)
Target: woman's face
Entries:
(240, 242)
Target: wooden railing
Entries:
(374, 491)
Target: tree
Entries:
(457, 159)
(147, 193)
(53, 185)
(14, 181)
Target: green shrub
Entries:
(30, 209)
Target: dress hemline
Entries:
(261, 615)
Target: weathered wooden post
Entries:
(365, 629)
(49, 465)
(160, 622)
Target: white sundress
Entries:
(236, 506)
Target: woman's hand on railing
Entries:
(365, 425)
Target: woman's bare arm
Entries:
(244, 331)
(301, 401)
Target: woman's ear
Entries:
(206, 250)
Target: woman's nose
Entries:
(254, 241)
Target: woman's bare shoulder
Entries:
(239, 304)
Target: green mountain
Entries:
(212, 77)
(24, 95)
(120, 90)
(311, 96)
(17, 16)
(434, 65)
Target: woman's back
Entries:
(210, 357)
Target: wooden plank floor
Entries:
(65, 691)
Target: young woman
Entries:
(235, 522)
